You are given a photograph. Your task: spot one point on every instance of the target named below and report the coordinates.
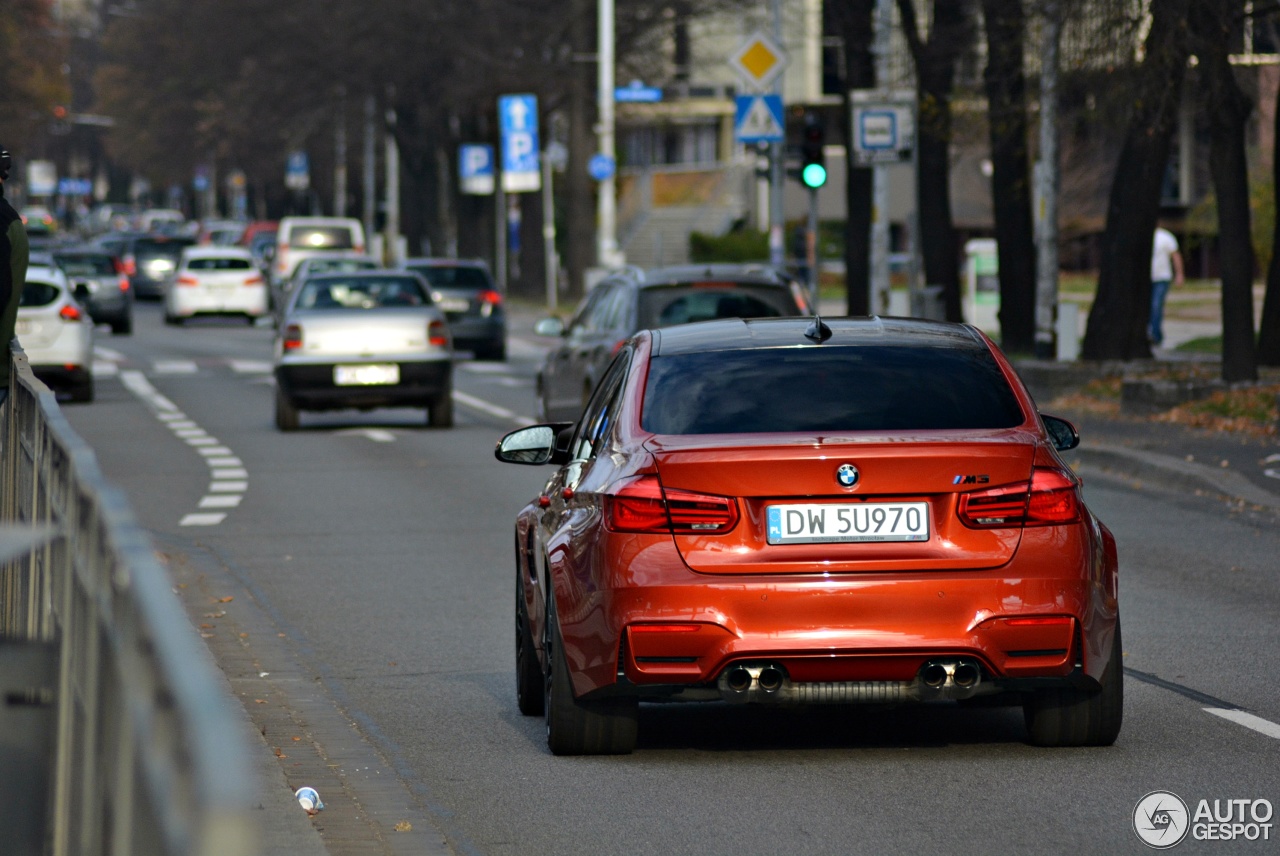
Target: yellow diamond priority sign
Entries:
(759, 61)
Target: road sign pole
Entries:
(811, 245)
(549, 235)
(778, 153)
(607, 214)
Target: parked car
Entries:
(56, 332)
(347, 262)
(466, 293)
(149, 259)
(215, 281)
(631, 300)
(798, 511)
(365, 339)
(298, 238)
(109, 296)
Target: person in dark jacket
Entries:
(14, 254)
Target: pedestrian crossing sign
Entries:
(758, 119)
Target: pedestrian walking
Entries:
(1166, 270)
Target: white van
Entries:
(300, 238)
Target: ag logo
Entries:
(1161, 819)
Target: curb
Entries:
(1172, 472)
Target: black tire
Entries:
(286, 412)
(440, 411)
(83, 392)
(173, 320)
(122, 328)
(574, 726)
(530, 696)
(496, 353)
(1072, 717)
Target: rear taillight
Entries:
(489, 301)
(117, 266)
(70, 313)
(1049, 499)
(438, 334)
(643, 505)
(291, 338)
(187, 280)
(130, 265)
(253, 280)
(124, 283)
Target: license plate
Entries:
(453, 304)
(370, 375)
(23, 327)
(848, 522)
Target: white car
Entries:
(299, 238)
(56, 332)
(215, 281)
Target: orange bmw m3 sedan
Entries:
(809, 511)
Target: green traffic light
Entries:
(814, 175)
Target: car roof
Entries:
(46, 273)
(441, 261)
(342, 276)
(744, 333)
(208, 252)
(718, 272)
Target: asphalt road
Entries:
(354, 582)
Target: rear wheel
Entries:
(529, 690)
(83, 391)
(575, 726)
(123, 327)
(496, 352)
(440, 410)
(1073, 717)
(286, 412)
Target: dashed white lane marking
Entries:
(1271, 472)
(492, 409)
(250, 366)
(105, 368)
(377, 435)
(174, 366)
(1248, 720)
(229, 477)
(109, 354)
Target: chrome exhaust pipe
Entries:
(738, 680)
(966, 675)
(934, 675)
(771, 679)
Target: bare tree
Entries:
(1005, 22)
(1228, 110)
(1117, 328)
(935, 57)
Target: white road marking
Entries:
(211, 451)
(108, 354)
(188, 432)
(1271, 474)
(1248, 720)
(103, 368)
(483, 368)
(377, 435)
(203, 519)
(1271, 459)
(229, 474)
(203, 440)
(227, 501)
(174, 366)
(249, 366)
(492, 409)
(228, 487)
(225, 462)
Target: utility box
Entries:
(981, 299)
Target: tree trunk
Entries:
(1269, 330)
(854, 21)
(1117, 328)
(1011, 175)
(1228, 110)
(935, 62)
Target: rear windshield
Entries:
(153, 248)
(451, 276)
(219, 264)
(38, 294)
(828, 389)
(323, 265)
(321, 238)
(669, 305)
(87, 265)
(361, 293)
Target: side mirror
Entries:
(535, 445)
(1063, 434)
(549, 327)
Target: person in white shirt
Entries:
(1166, 270)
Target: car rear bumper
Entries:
(250, 301)
(311, 386)
(470, 332)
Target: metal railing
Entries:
(117, 738)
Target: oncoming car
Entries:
(363, 340)
(863, 510)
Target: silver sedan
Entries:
(363, 340)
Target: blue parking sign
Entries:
(518, 122)
(475, 168)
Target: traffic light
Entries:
(813, 167)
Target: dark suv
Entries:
(465, 291)
(149, 260)
(631, 300)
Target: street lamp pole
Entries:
(606, 205)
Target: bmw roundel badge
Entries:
(847, 475)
